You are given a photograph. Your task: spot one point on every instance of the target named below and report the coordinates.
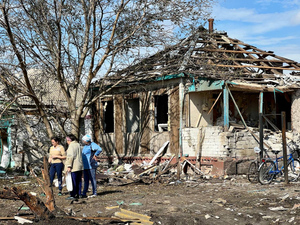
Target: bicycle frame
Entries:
(277, 159)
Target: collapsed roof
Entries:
(212, 54)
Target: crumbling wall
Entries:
(191, 138)
(295, 116)
(240, 143)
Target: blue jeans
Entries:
(56, 168)
(89, 175)
(76, 180)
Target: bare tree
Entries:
(73, 42)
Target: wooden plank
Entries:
(146, 171)
(166, 170)
(214, 103)
(233, 51)
(94, 218)
(136, 215)
(160, 152)
(263, 63)
(174, 111)
(242, 59)
(252, 66)
(119, 129)
(168, 163)
(194, 167)
(255, 48)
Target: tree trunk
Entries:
(75, 125)
(8, 194)
(50, 202)
(39, 209)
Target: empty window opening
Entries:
(132, 115)
(217, 110)
(161, 112)
(108, 117)
(274, 105)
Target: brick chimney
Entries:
(211, 25)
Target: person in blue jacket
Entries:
(89, 153)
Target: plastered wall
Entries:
(295, 111)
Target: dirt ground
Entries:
(223, 200)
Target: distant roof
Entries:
(46, 88)
(211, 55)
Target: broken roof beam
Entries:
(286, 60)
(261, 67)
(264, 63)
(238, 59)
(256, 87)
(225, 56)
(234, 51)
(210, 41)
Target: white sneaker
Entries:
(92, 196)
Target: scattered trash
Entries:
(260, 190)
(24, 208)
(284, 197)
(207, 216)
(291, 220)
(296, 206)
(120, 202)
(22, 220)
(24, 182)
(112, 207)
(136, 203)
(279, 208)
(219, 201)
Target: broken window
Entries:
(161, 112)
(132, 115)
(108, 116)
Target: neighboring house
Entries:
(204, 95)
(17, 146)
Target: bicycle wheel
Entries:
(252, 174)
(266, 172)
(293, 170)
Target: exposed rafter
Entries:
(213, 55)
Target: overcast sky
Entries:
(271, 25)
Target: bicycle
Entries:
(252, 174)
(268, 169)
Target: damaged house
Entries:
(203, 95)
(20, 121)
